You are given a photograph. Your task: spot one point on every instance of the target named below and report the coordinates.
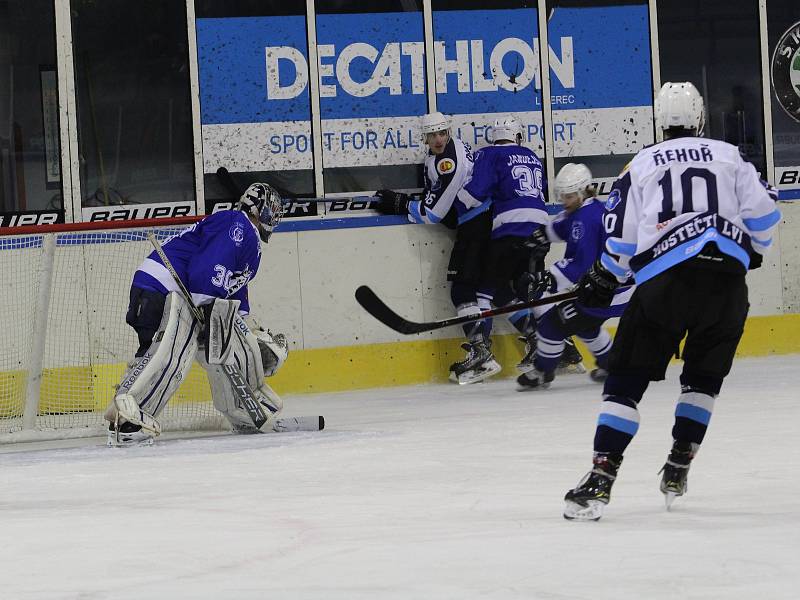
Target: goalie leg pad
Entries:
(152, 379)
(247, 409)
(237, 386)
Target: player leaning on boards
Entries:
(448, 166)
(215, 259)
(689, 217)
(580, 225)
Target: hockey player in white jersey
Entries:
(448, 167)
(214, 259)
(688, 217)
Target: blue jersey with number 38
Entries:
(215, 258)
(512, 177)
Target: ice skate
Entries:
(535, 379)
(598, 374)
(128, 435)
(588, 499)
(526, 364)
(478, 365)
(571, 360)
(675, 472)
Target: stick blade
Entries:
(370, 302)
(308, 423)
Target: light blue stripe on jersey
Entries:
(695, 413)
(618, 423)
(765, 243)
(682, 252)
(621, 247)
(474, 212)
(763, 223)
(415, 214)
(610, 264)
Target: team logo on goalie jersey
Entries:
(237, 234)
(445, 166)
(786, 71)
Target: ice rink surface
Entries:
(428, 492)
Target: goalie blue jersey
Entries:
(215, 258)
(511, 177)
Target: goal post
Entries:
(64, 343)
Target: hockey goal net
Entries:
(65, 343)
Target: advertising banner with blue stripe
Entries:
(255, 99)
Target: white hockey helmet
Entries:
(680, 105)
(573, 178)
(264, 203)
(507, 128)
(433, 122)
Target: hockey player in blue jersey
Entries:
(215, 259)
(510, 179)
(580, 225)
(688, 217)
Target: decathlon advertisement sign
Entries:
(255, 96)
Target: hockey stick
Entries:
(241, 388)
(378, 309)
(235, 191)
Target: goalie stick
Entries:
(241, 389)
(377, 308)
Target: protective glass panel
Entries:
(715, 45)
(783, 28)
(372, 92)
(601, 84)
(254, 97)
(30, 162)
(489, 71)
(134, 112)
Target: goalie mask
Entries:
(264, 203)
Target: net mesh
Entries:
(84, 342)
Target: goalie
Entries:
(214, 259)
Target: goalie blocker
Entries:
(235, 357)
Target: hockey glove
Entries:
(532, 286)
(392, 203)
(756, 260)
(597, 286)
(538, 244)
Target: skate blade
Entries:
(591, 512)
(532, 388)
(476, 376)
(571, 369)
(669, 498)
(113, 442)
